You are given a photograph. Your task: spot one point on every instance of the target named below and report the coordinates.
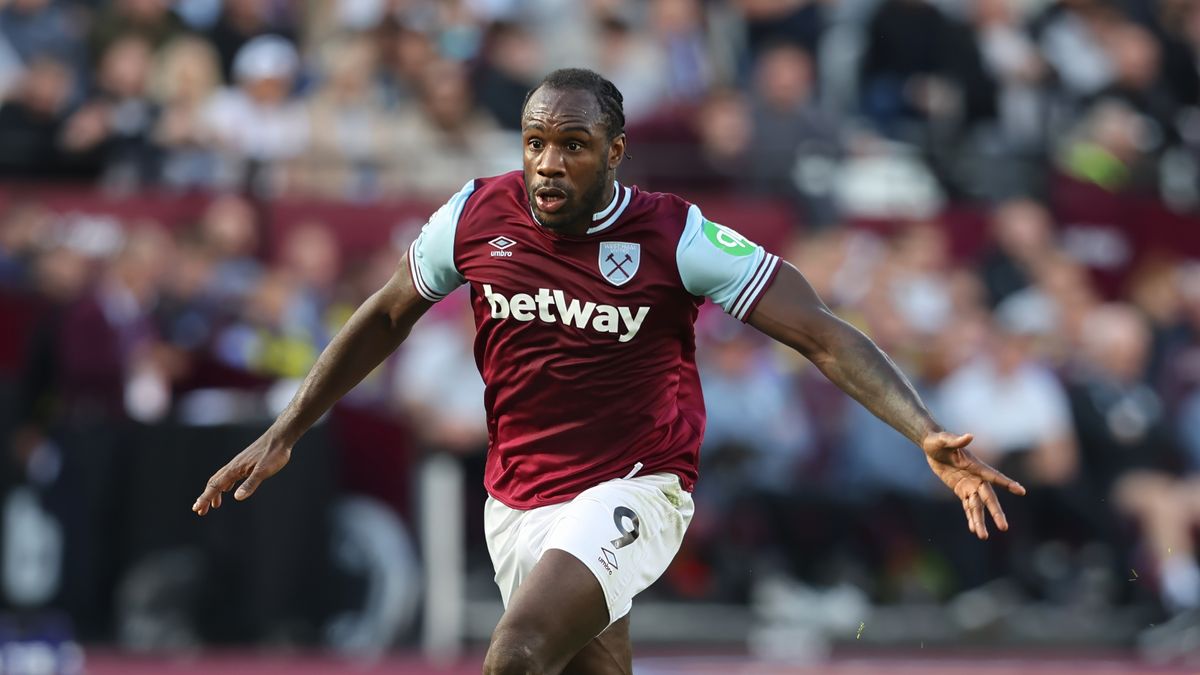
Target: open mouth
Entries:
(549, 200)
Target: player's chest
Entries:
(615, 270)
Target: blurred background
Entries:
(195, 194)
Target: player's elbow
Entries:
(810, 329)
(397, 309)
(828, 336)
(814, 344)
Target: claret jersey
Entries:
(586, 343)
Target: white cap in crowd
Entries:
(264, 57)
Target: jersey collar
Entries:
(611, 213)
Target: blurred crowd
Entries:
(845, 110)
(803, 98)
(1090, 401)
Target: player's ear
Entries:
(616, 151)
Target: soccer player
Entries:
(585, 292)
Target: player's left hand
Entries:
(970, 479)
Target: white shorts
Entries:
(625, 530)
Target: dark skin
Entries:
(556, 620)
(569, 154)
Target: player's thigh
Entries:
(609, 653)
(626, 532)
(557, 610)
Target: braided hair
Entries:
(606, 93)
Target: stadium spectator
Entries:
(1022, 235)
(188, 312)
(152, 20)
(508, 65)
(405, 50)
(107, 353)
(1179, 25)
(677, 27)
(1156, 288)
(10, 68)
(758, 432)
(922, 67)
(115, 127)
(769, 22)
(1180, 372)
(186, 78)
(270, 337)
(795, 146)
(446, 137)
(351, 129)
(1189, 430)
(911, 285)
(726, 130)
(1070, 36)
(31, 122)
(1130, 452)
(1136, 58)
(1109, 147)
(229, 229)
(1011, 58)
(22, 224)
(631, 59)
(311, 256)
(437, 386)
(759, 446)
(258, 125)
(241, 22)
(34, 29)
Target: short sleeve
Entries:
(718, 263)
(431, 256)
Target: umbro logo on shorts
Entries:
(608, 559)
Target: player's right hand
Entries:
(258, 462)
(969, 478)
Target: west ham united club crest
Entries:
(619, 261)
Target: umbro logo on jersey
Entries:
(553, 306)
(502, 244)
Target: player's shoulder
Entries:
(491, 195)
(510, 184)
(668, 212)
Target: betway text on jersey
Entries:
(552, 306)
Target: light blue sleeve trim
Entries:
(731, 281)
(431, 256)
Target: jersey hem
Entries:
(684, 482)
(414, 270)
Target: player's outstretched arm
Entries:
(375, 329)
(791, 313)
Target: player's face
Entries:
(569, 161)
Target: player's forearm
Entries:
(861, 369)
(373, 332)
(791, 312)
